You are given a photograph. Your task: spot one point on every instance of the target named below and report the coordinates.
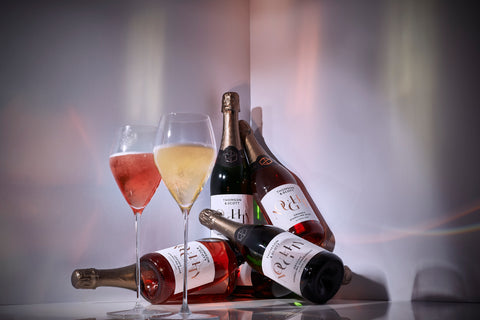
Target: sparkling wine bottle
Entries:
(320, 235)
(328, 241)
(255, 285)
(229, 184)
(212, 271)
(231, 195)
(278, 194)
(297, 264)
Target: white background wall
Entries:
(72, 72)
(372, 103)
(375, 105)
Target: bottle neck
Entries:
(230, 135)
(213, 220)
(92, 278)
(252, 147)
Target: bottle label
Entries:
(244, 275)
(200, 265)
(285, 258)
(286, 206)
(236, 207)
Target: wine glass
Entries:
(134, 170)
(185, 153)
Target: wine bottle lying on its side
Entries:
(212, 277)
(297, 264)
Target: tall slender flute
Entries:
(185, 153)
(133, 167)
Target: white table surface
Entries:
(259, 309)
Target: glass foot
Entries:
(137, 313)
(185, 316)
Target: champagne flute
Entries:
(185, 153)
(133, 167)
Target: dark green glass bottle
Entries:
(297, 264)
(230, 191)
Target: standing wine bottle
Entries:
(278, 194)
(231, 195)
(212, 266)
(297, 264)
(229, 185)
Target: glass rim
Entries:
(137, 126)
(186, 116)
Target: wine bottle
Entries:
(212, 273)
(297, 264)
(255, 285)
(277, 192)
(231, 195)
(324, 238)
(329, 239)
(229, 185)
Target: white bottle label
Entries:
(244, 275)
(200, 265)
(285, 258)
(236, 207)
(286, 206)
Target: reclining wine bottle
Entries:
(328, 240)
(212, 266)
(294, 210)
(255, 285)
(278, 194)
(297, 264)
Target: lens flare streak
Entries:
(433, 228)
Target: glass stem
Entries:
(138, 305)
(184, 309)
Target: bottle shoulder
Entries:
(230, 174)
(231, 156)
(266, 178)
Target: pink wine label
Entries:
(200, 265)
(236, 207)
(285, 258)
(286, 206)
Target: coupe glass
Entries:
(134, 170)
(185, 153)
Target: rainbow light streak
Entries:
(431, 229)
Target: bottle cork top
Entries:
(230, 102)
(207, 217)
(84, 278)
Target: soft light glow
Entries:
(144, 64)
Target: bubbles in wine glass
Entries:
(128, 139)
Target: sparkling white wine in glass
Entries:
(184, 169)
(185, 153)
